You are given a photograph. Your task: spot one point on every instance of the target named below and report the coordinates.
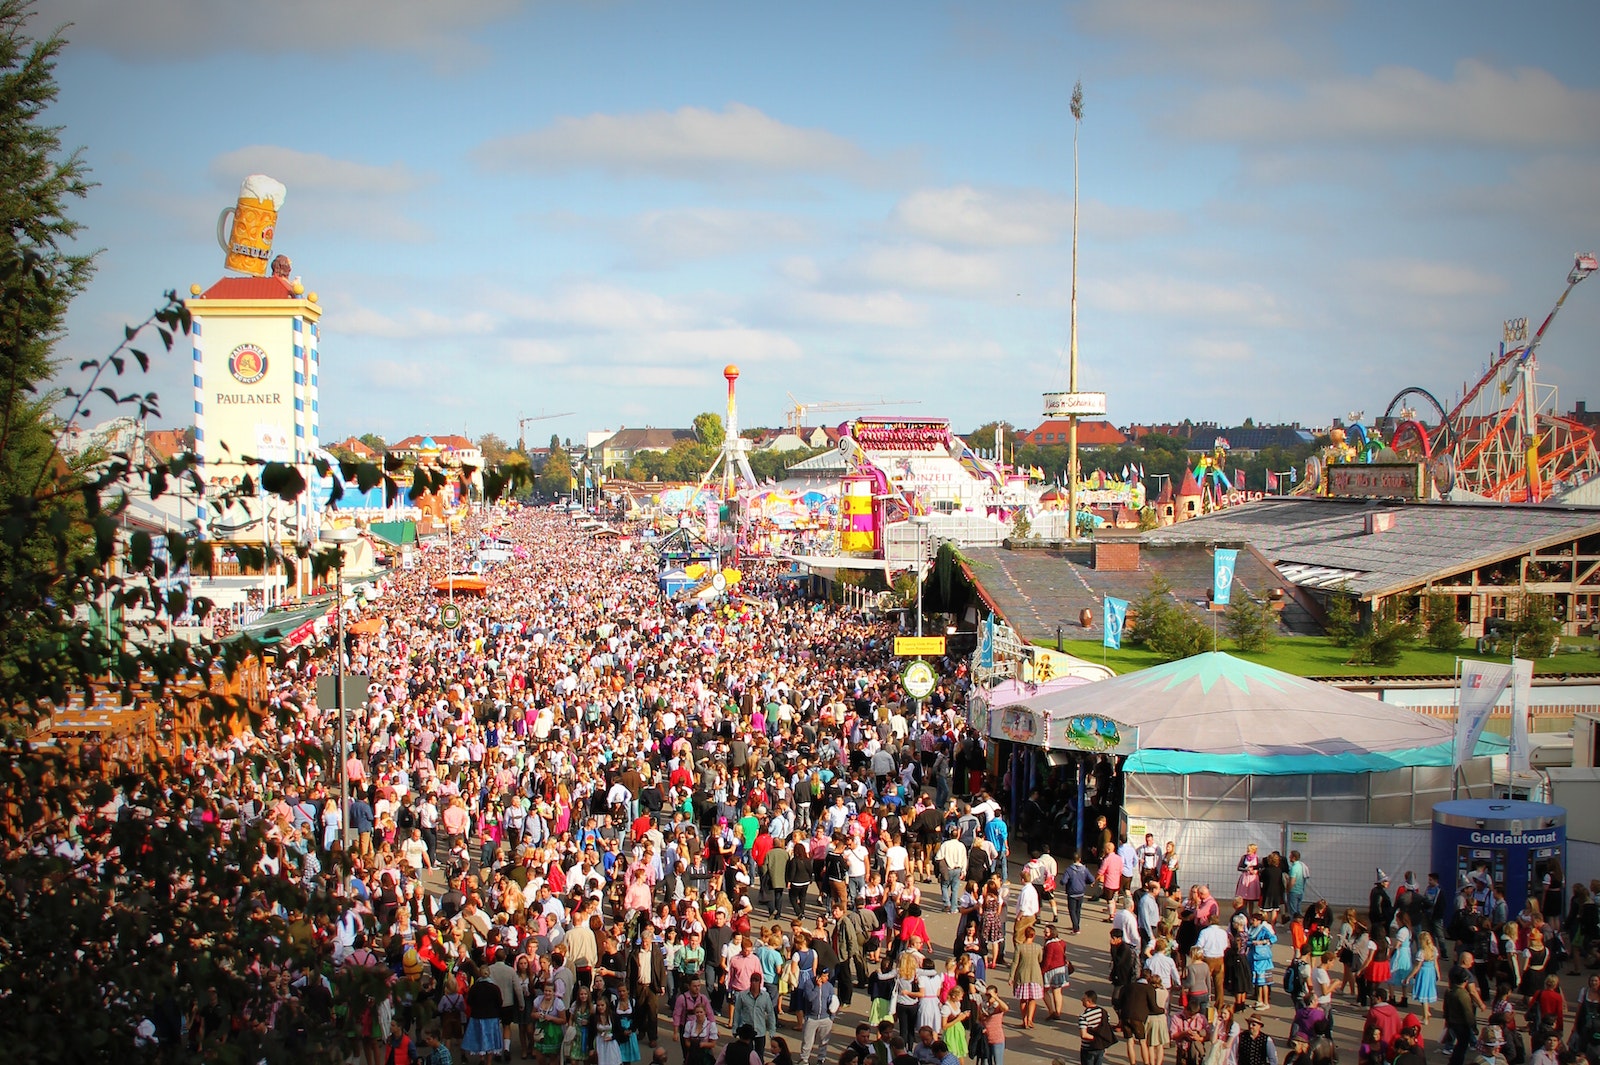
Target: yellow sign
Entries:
(906, 646)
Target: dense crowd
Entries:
(593, 825)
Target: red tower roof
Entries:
(1189, 487)
(250, 288)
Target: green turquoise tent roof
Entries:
(1213, 713)
(398, 533)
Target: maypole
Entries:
(1073, 404)
(1072, 344)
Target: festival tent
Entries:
(1213, 713)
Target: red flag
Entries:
(1272, 481)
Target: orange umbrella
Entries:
(366, 627)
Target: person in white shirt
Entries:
(1125, 922)
(1213, 944)
(1027, 906)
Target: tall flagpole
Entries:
(1072, 357)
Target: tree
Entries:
(1444, 631)
(556, 478)
(1165, 627)
(708, 429)
(1389, 633)
(1342, 623)
(1251, 625)
(374, 441)
(1534, 629)
(494, 448)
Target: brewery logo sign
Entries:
(247, 363)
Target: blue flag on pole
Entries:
(986, 644)
(1222, 574)
(1116, 612)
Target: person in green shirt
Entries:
(749, 828)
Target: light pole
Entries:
(921, 522)
(339, 538)
(1072, 365)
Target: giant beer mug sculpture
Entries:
(248, 243)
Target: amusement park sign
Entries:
(1377, 480)
(1067, 404)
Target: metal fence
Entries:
(1342, 859)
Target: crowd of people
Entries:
(593, 825)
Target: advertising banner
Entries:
(1222, 574)
(1482, 684)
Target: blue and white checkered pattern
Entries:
(299, 389)
(199, 379)
(316, 431)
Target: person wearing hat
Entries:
(1491, 1046)
(1253, 1046)
(1380, 907)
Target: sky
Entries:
(1287, 211)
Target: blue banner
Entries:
(1222, 574)
(986, 644)
(1116, 612)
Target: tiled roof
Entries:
(250, 288)
(165, 443)
(1038, 589)
(1090, 433)
(641, 439)
(1428, 541)
(1254, 438)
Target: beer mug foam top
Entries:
(247, 244)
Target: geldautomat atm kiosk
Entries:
(1498, 843)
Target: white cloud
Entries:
(686, 234)
(1429, 279)
(156, 30)
(972, 217)
(965, 216)
(1479, 105)
(1245, 304)
(1220, 38)
(410, 323)
(329, 195)
(1556, 192)
(860, 308)
(926, 266)
(591, 307)
(312, 171)
(1220, 349)
(691, 142)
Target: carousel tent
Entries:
(1213, 713)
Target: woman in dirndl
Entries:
(1249, 887)
(549, 1021)
(1027, 975)
(483, 1038)
(627, 1031)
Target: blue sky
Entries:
(1288, 210)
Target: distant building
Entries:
(354, 446)
(1054, 433)
(801, 439)
(1243, 441)
(1177, 430)
(1581, 414)
(618, 450)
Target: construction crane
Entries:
(522, 426)
(795, 416)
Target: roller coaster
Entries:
(1505, 440)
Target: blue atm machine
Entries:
(1502, 842)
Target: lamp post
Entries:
(339, 538)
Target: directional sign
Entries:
(450, 615)
(910, 646)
